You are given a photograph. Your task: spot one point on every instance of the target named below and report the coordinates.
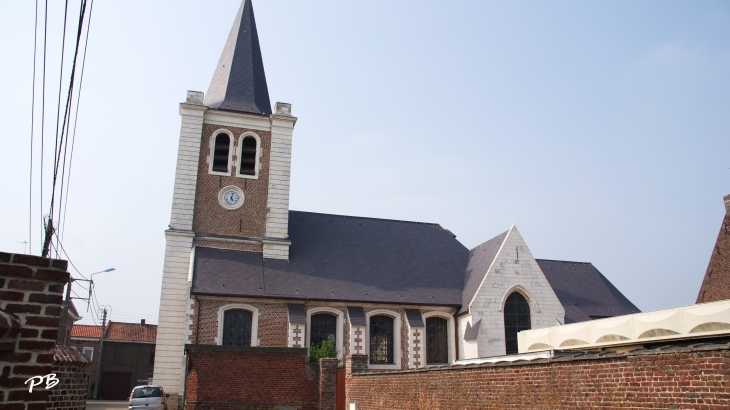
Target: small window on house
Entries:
(437, 341)
(88, 352)
(323, 327)
(247, 160)
(221, 150)
(381, 340)
(516, 319)
(237, 328)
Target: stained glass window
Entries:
(323, 327)
(381, 340)
(437, 341)
(516, 319)
(237, 328)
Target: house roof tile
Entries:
(120, 331)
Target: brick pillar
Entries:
(327, 383)
(30, 311)
(355, 363)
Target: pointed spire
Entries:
(239, 82)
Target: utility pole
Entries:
(64, 315)
(47, 239)
(98, 360)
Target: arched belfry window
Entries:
(437, 341)
(516, 319)
(381, 340)
(237, 326)
(323, 327)
(221, 153)
(247, 159)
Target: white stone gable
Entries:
(514, 269)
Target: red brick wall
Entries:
(30, 296)
(273, 324)
(70, 366)
(250, 219)
(697, 377)
(716, 285)
(256, 378)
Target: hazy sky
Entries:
(600, 129)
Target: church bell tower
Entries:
(231, 183)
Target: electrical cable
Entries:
(58, 114)
(86, 289)
(60, 141)
(68, 258)
(76, 117)
(32, 123)
(43, 110)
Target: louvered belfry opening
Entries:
(237, 328)
(323, 327)
(381, 340)
(221, 150)
(248, 156)
(516, 319)
(437, 341)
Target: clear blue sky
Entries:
(600, 129)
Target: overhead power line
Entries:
(32, 124)
(61, 142)
(76, 117)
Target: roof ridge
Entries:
(490, 239)
(560, 260)
(368, 217)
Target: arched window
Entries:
(323, 327)
(381, 340)
(437, 341)
(247, 157)
(516, 319)
(237, 327)
(221, 151)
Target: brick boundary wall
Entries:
(69, 365)
(694, 377)
(31, 291)
(257, 378)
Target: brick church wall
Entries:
(695, 377)
(716, 285)
(257, 378)
(31, 291)
(250, 219)
(273, 321)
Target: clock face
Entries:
(231, 197)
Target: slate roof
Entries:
(480, 259)
(584, 292)
(344, 258)
(119, 331)
(239, 81)
(334, 257)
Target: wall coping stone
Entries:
(580, 356)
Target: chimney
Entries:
(141, 323)
(726, 198)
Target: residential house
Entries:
(127, 356)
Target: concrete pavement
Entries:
(106, 405)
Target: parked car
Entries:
(148, 398)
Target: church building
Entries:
(242, 269)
